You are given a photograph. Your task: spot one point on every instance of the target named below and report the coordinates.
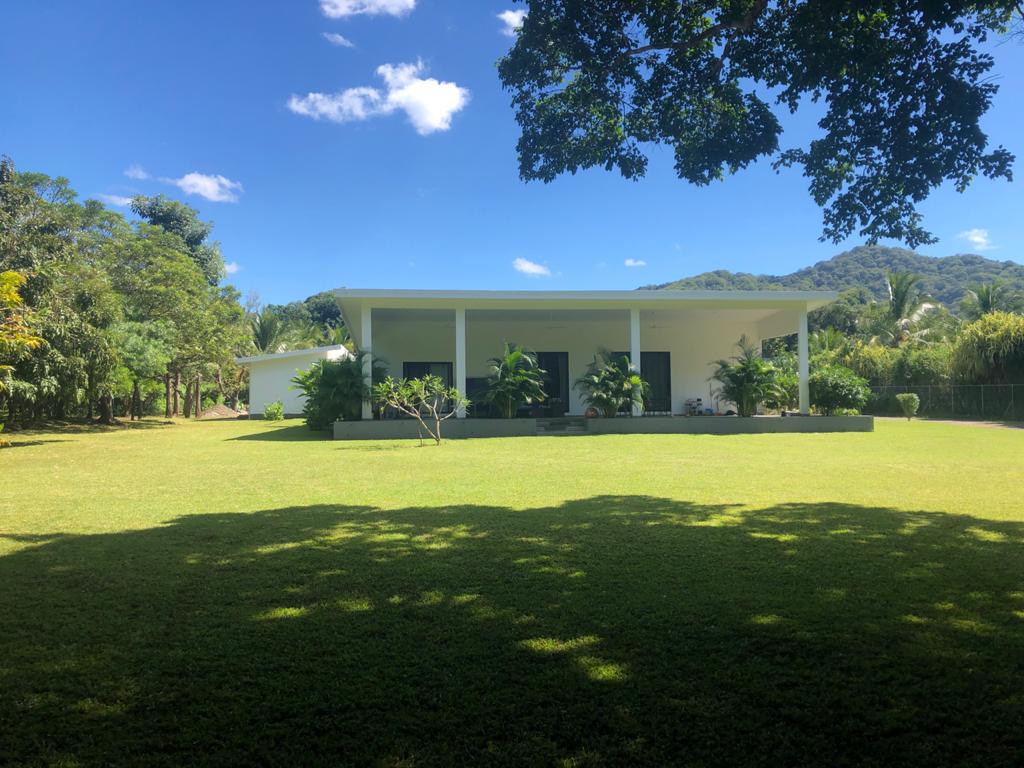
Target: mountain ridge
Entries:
(944, 278)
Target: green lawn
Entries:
(239, 593)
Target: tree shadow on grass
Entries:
(300, 433)
(606, 631)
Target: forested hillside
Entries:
(945, 279)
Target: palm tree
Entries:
(612, 385)
(907, 307)
(985, 298)
(747, 380)
(514, 379)
(827, 340)
(268, 331)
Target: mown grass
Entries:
(241, 593)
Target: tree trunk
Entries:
(199, 394)
(177, 389)
(167, 395)
(188, 399)
(136, 412)
(106, 409)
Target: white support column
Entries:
(804, 365)
(634, 347)
(460, 357)
(366, 345)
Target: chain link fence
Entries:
(998, 402)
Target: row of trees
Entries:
(914, 340)
(910, 340)
(102, 316)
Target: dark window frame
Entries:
(450, 378)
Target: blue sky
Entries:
(413, 183)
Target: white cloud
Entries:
(429, 103)
(214, 188)
(340, 40)
(232, 267)
(978, 238)
(512, 20)
(136, 171)
(340, 9)
(635, 263)
(530, 268)
(119, 200)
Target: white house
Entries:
(270, 376)
(674, 337)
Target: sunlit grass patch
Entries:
(758, 600)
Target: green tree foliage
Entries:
(991, 350)
(747, 380)
(985, 298)
(835, 389)
(923, 364)
(863, 272)
(514, 379)
(118, 306)
(313, 322)
(268, 331)
(900, 320)
(428, 400)
(902, 86)
(909, 402)
(612, 385)
(144, 349)
(183, 220)
(16, 336)
(324, 310)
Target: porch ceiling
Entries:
(566, 306)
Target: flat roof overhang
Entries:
(353, 300)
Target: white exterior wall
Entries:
(693, 338)
(694, 343)
(270, 380)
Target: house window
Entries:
(417, 370)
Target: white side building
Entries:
(270, 376)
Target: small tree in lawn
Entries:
(428, 400)
(909, 403)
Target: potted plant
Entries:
(612, 384)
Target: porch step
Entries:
(566, 425)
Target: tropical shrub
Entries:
(274, 411)
(991, 350)
(335, 390)
(923, 364)
(835, 389)
(612, 385)
(514, 379)
(909, 403)
(785, 395)
(873, 362)
(429, 400)
(747, 380)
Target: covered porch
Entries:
(673, 337)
